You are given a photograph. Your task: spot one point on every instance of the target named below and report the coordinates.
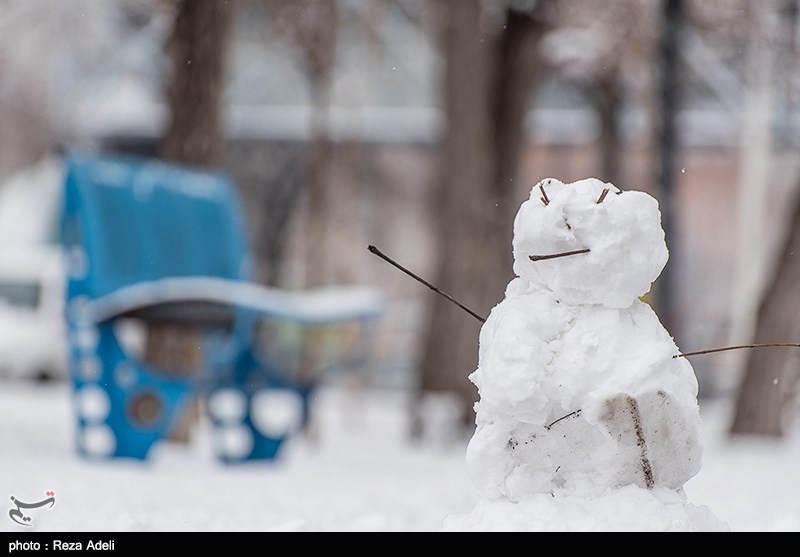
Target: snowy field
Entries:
(359, 474)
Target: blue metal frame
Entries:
(129, 220)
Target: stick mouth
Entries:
(557, 255)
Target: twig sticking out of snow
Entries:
(603, 195)
(378, 252)
(544, 198)
(571, 414)
(737, 347)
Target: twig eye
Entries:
(544, 198)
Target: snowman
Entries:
(587, 420)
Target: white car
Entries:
(32, 327)
(32, 330)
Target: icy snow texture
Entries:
(585, 421)
(627, 509)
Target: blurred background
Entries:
(419, 127)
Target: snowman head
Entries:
(614, 237)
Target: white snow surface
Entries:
(358, 473)
(327, 304)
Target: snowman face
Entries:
(614, 238)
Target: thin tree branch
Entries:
(378, 252)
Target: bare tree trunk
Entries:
(669, 81)
(197, 51)
(316, 262)
(755, 162)
(487, 85)
(607, 105)
(313, 27)
(194, 136)
(516, 66)
(463, 214)
(770, 374)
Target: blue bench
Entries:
(159, 242)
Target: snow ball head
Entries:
(620, 229)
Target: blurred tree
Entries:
(756, 148)
(670, 81)
(38, 39)
(605, 49)
(194, 136)
(315, 24)
(490, 68)
(769, 376)
(768, 384)
(311, 28)
(195, 86)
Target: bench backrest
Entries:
(129, 220)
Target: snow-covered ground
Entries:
(359, 473)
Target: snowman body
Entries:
(582, 397)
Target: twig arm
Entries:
(380, 254)
(737, 347)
